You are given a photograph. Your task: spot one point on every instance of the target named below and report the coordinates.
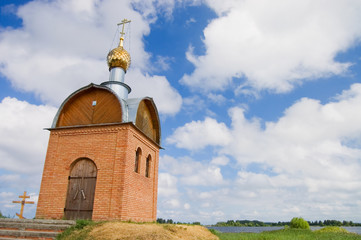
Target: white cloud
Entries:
(167, 185)
(293, 165)
(167, 99)
(217, 214)
(205, 195)
(190, 172)
(274, 45)
(8, 178)
(220, 160)
(6, 194)
(62, 46)
(199, 134)
(206, 176)
(193, 104)
(184, 166)
(149, 8)
(33, 197)
(217, 98)
(186, 206)
(191, 176)
(309, 134)
(23, 147)
(172, 203)
(162, 63)
(190, 21)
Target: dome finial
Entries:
(122, 33)
(119, 57)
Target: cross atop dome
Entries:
(119, 61)
(122, 33)
(119, 57)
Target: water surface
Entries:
(264, 229)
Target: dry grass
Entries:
(149, 231)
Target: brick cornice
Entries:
(83, 131)
(102, 128)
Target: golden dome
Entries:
(118, 57)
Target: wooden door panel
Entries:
(87, 195)
(73, 190)
(71, 214)
(81, 189)
(85, 214)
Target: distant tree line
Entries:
(170, 221)
(334, 223)
(3, 216)
(256, 223)
(241, 223)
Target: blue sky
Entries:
(259, 100)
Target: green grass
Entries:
(333, 229)
(78, 232)
(83, 227)
(290, 234)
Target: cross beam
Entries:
(23, 202)
(122, 33)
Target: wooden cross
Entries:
(23, 202)
(122, 33)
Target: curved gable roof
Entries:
(92, 104)
(98, 104)
(144, 114)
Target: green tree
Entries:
(2, 216)
(161, 220)
(299, 223)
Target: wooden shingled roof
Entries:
(96, 104)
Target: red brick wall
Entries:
(120, 192)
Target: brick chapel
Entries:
(103, 152)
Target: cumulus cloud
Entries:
(190, 172)
(203, 133)
(187, 206)
(167, 98)
(149, 8)
(6, 199)
(308, 134)
(62, 46)
(172, 203)
(22, 150)
(167, 185)
(274, 45)
(206, 176)
(24, 140)
(217, 98)
(181, 181)
(220, 160)
(308, 156)
(6, 194)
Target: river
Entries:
(263, 229)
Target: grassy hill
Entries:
(145, 231)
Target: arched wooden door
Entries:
(81, 189)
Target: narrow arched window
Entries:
(147, 166)
(138, 155)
